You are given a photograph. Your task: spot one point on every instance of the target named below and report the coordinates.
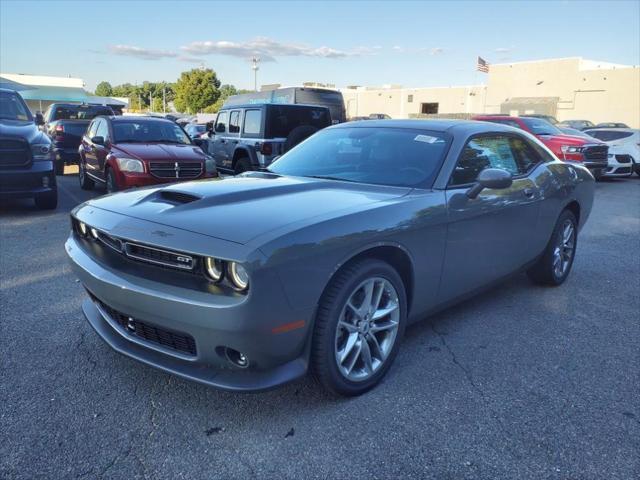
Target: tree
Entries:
(104, 89)
(196, 89)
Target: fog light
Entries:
(83, 228)
(45, 182)
(94, 233)
(239, 359)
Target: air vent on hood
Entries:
(177, 197)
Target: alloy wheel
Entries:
(565, 247)
(367, 329)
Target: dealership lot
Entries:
(520, 382)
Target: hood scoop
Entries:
(177, 197)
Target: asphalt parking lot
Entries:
(521, 382)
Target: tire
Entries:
(243, 164)
(346, 285)
(297, 135)
(47, 201)
(85, 182)
(59, 164)
(111, 184)
(598, 174)
(544, 272)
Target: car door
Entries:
(218, 142)
(91, 161)
(101, 151)
(233, 137)
(489, 236)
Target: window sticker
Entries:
(426, 139)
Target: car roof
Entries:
(256, 105)
(611, 129)
(435, 125)
(137, 118)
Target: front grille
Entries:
(175, 169)
(159, 256)
(178, 341)
(619, 171)
(623, 158)
(14, 152)
(596, 153)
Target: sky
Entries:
(413, 44)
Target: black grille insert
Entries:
(159, 256)
(14, 152)
(175, 169)
(623, 158)
(596, 153)
(178, 341)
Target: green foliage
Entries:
(104, 89)
(196, 90)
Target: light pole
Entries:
(255, 69)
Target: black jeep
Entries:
(26, 156)
(251, 136)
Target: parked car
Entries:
(379, 116)
(612, 125)
(575, 133)
(26, 154)
(577, 124)
(549, 118)
(126, 151)
(320, 263)
(65, 123)
(194, 130)
(624, 149)
(250, 137)
(591, 153)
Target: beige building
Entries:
(567, 88)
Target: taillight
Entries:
(266, 149)
(59, 128)
(59, 132)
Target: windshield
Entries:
(148, 131)
(377, 155)
(538, 126)
(12, 108)
(80, 112)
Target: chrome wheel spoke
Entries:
(354, 358)
(351, 342)
(380, 327)
(366, 356)
(349, 327)
(376, 351)
(383, 312)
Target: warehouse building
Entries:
(567, 88)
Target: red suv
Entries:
(122, 152)
(592, 153)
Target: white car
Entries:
(624, 149)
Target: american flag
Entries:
(482, 66)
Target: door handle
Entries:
(528, 192)
(223, 141)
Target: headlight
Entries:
(41, 151)
(238, 275)
(210, 165)
(130, 165)
(83, 228)
(213, 267)
(94, 233)
(570, 149)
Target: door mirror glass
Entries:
(492, 178)
(38, 119)
(97, 140)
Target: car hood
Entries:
(23, 129)
(569, 140)
(160, 151)
(238, 209)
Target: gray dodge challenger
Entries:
(320, 262)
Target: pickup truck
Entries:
(65, 124)
(590, 152)
(26, 157)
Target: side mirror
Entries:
(98, 140)
(492, 178)
(209, 126)
(38, 119)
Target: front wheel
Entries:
(359, 325)
(555, 264)
(243, 164)
(47, 201)
(111, 184)
(59, 164)
(86, 183)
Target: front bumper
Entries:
(619, 166)
(132, 180)
(38, 179)
(243, 323)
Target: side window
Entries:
(91, 131)
(484, 152)
(221, 122)
(102, 129)
(252, 122)
(234, 122)
(526, 156)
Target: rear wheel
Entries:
(47, 201)
(359, 325)
(59, 164)
(111, 184)
(598, 174)
(243, 164)
(555, 264)
(85, 182)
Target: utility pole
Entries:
(150, 102)
(164, 99)
(255, 69)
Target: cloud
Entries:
(190, 59)
(504, 49)
(139, 52)
(266, 49)
(435, 51)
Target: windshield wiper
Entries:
(328, 177)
